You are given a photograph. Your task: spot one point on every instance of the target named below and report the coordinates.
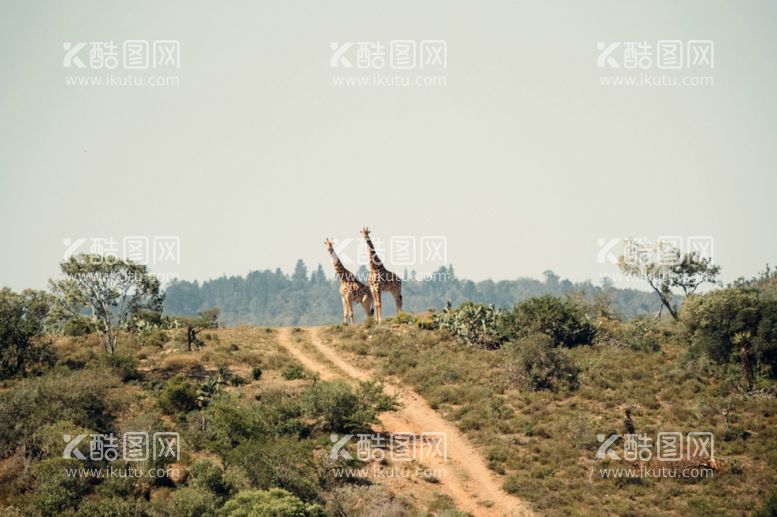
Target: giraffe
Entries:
(381, 279)
(350, 287)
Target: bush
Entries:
(22, 319)
(473, 323)
(341, 409)
(639, 334)
(209, 476)
(535, 364)
(152, 336)
(178, 396)
(192, 502)
(124, 366)
(294, 372)
(78, 326)
(734, 325)
(769, 507)
(78, 397)
(113, 507)
(272, 502)
(278, 461)
(55, 491)
(368, 500)
(561, 319)
(256, 373)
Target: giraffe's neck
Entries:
(375, 263)
(343, 275)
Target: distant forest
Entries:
(311, 298)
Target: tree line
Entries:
(270, 297)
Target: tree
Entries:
(300, 276)
(22, 320)
(735, 324)
(111, 290)
(275, 501)
(667, 268)
(207, 319)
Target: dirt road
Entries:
(467, 480)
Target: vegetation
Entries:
(535, 386)
(534, 363)
(113, 290)
(537, 406)
(664, 269)
(311, 298)
(563, 320)
(22, 322)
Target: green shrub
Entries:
(78, 326)
(125, 366)
(272, 502)
(769, 506)
(473, 323)
(278, 461)
(294, 372)
(178, 396)
(56, 491)
(639, 334)
(22, 320)
(734, 325)
(535, 364)
(113, 507)
(256, 373)
(192, 502)
(209, 476)
(152, 336)
(48, 440)
(563, 320)
(341, 409)
(76, 396)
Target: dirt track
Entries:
(467, 479)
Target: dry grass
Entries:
(544, 443)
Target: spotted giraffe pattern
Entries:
(351, 289)
(381, 279)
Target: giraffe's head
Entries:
(330, 246)
(366, 232)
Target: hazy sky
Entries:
(522, 161)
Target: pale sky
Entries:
(522, 161)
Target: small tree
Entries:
(22, 319)
(110, 289)
(735, 325)
(667, 269)
(207, 319)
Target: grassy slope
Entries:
(235, 350)
(544, 443)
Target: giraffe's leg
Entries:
(367, 305)
(350, 310)
(376, 300)
(345, 309)
(397, 293)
